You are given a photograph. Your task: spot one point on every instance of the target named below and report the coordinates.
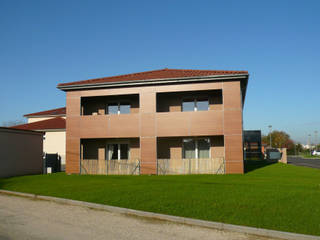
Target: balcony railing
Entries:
(126, 125)
(164, 166)
(189, 123)
(191, 166)
(110, 167)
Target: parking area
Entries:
(306, 162)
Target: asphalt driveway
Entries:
(306, 162)
(24, 218)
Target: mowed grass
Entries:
(309, 156)
(277, 196)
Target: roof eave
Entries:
(42, 116)
(152, 82)
(51, 130)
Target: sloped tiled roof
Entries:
(52, 112)
(155, 74)
(53, 123)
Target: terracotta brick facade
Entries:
(222, 122)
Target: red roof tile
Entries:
(155, 74)
(52, 112)
(53, 123)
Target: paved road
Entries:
(23, 218)
(299, 161)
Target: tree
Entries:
(12, 123)
(299, 148)
(279, 139)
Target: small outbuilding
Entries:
(21, 152)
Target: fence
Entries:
(110, 167)
(191, 166)
(164, 166)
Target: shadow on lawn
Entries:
(1, 185)
(251, 165)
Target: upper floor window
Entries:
(118, 108)
(193, 105)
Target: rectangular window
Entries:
(118, 151)
(202, 105)
(113, 108)
(118, 108)
(196, 148)
(189, 148)
(188, 106)
(124, 149)
(204, 148)
(112, 151)
(195, 105)
(124, 108)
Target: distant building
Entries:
(306, 146)
(53, 124)
(252, 144)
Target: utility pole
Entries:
(270, 128)
(316, 139)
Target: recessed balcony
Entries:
(195, 101)
(110, 105)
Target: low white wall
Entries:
(37, 119)
(21, 152)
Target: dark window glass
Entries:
(113, 109)
(203, 148)
(202, 105)
(188, 106)
(124, 151)
(113, 151)
(124, 108)
(189, 148)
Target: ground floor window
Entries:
(196, 148)
(117, 151)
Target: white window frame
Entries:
(196, 148)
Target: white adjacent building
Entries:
(53, 124)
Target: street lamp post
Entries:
(270, 128)
(309, 143)
(316, 139)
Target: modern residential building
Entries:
(53, 124)
(168, 121)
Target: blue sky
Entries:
(44, 43)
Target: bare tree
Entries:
(12, 123)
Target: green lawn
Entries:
(309, 156)
(277, 196)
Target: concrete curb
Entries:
(175, 219)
